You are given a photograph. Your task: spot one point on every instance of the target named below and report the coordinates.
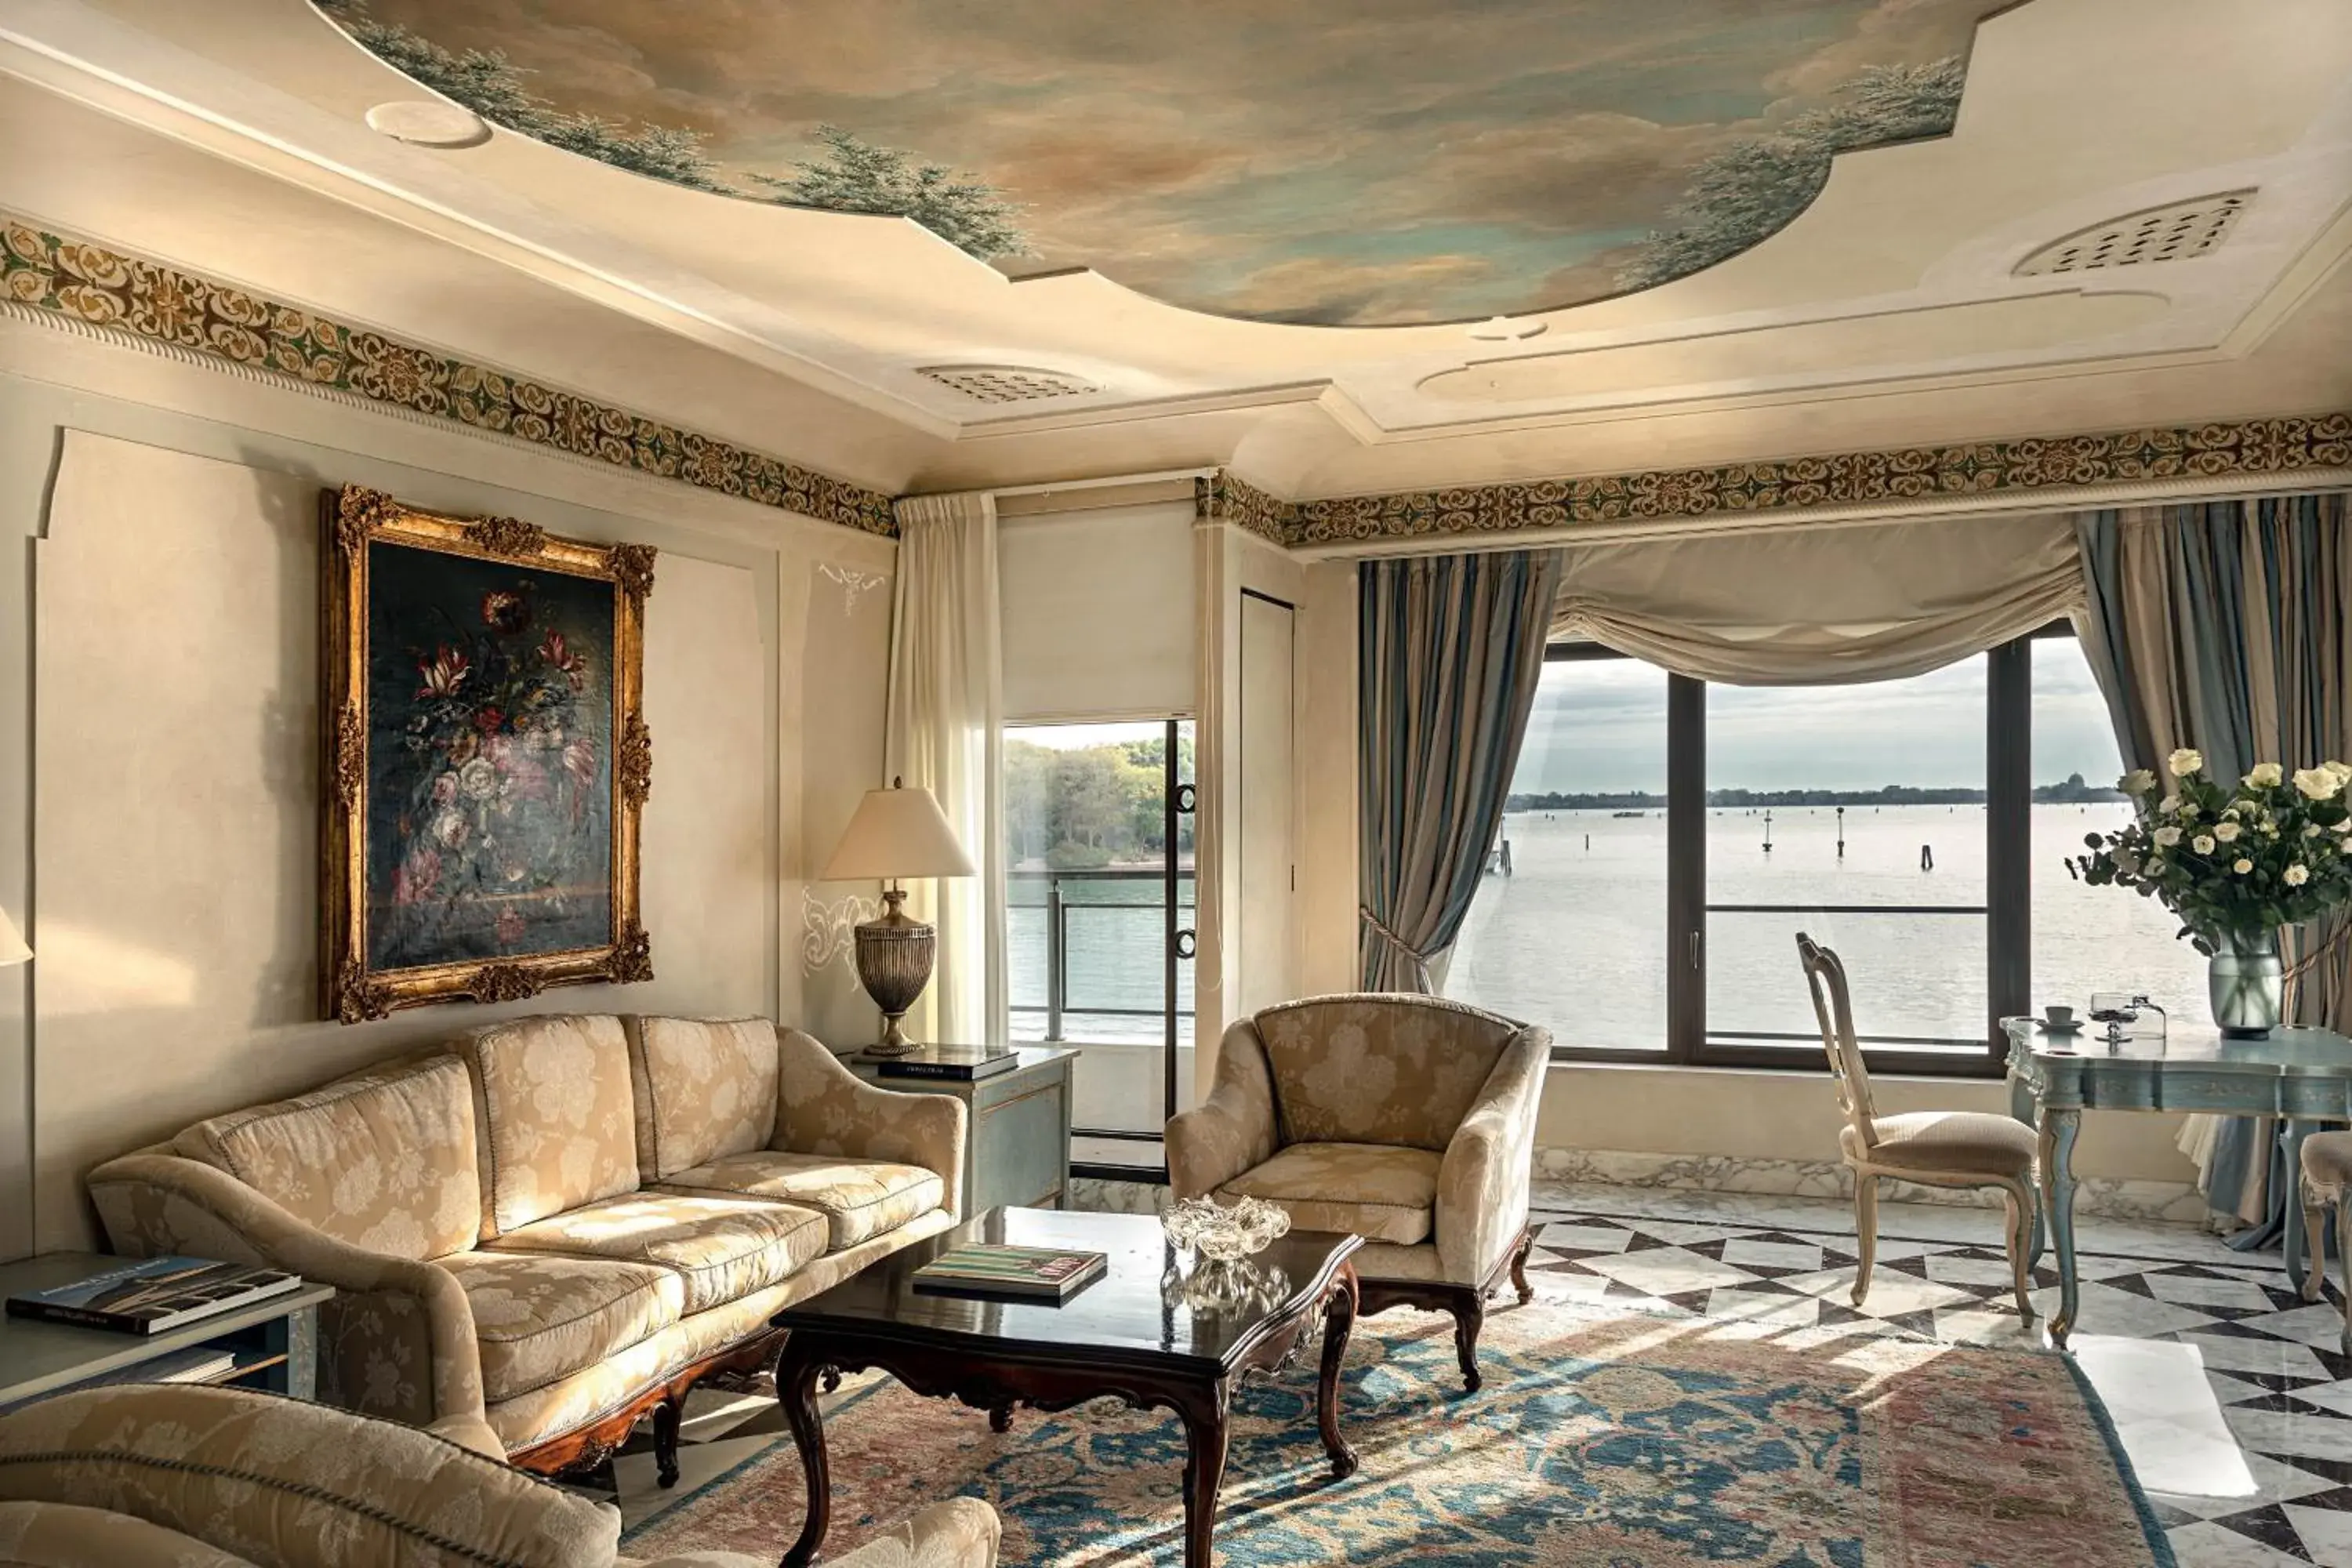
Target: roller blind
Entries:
(1098, 613)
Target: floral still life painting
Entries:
(487, 759)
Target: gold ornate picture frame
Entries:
(488, 761)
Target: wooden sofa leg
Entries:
(668, 1415)
(1469, 1316)
(1527, 1292)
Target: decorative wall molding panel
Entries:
(828, 927)
(63, 281)
(854, 584)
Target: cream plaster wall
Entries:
(158, 605)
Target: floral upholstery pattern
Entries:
(383, 1160)
(1382, 1194)
(276, 1481)
(823, 1108)
(541, 1318)
(556, 1116)
(858, 1198)
(704, 1089)
(1261, 1107)
(719, 1248)
(1378, 1069)
(63, 1535)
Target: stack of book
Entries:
(1024, 1273)
(955, 1064)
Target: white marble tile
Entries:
(1583, 1237)
(2208, 1545)
(2335, 1396)
(2275, 1481)
(1682, 1232)
(1891, 1295)
(2103, 1309)
(2322, 1326)
(2231, 1389)
(1951, 1270)
(1987, 1326)
(2271, 1357)
(1668, 1271)
(2286, 1433)
(2190, 1291)
(1746, 1253)
(1772, 1311)
(2170, 1423)
(2327, 1534)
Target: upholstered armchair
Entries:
(1404, 1120)
(175, 1476)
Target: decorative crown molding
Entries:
(70, 282)
(1221, 497)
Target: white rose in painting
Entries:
(2266, 775)
(2319, 783)
(2183, 763)
(477, 779)
(2227, 832)
(2139, 781)
(2241, 865)
(2169, 804)
(2202, 844)
(2166, 837)
(2297, 874)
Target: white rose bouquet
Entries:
(2233, 863)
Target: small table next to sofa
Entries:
(1016, 1148)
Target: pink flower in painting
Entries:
(558, 653)
(442, 673)
(418, 874)
(509, 928)
(489, 721)
(449, 828)
(445, 789)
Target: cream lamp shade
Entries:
(12, 942)
(897, 833)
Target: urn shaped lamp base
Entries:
(895, 954)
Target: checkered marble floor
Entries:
(2229, 1394)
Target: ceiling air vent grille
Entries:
(2173, 233)
(1007, 382)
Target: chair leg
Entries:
(2344, 1251)
(1865, 1226)
(2021, 1215)
(2315, 1250)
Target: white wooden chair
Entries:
(1933, 1148)
(2327, 1183)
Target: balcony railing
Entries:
(1093, 945)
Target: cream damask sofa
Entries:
(168, 1475)
(557, 1225)
(1407, 1120)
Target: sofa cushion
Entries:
(719, 1248)
(555, 1116)
(66, 1535)
(704, 1089)
(383, 1160)
(540, 1317)
(1379, 1068)
(1379, 1192)
(859, 1198)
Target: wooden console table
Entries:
(2302, 1076)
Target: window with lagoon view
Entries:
(1880, 806)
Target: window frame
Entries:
(2007, 908)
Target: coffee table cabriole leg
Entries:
(1339, 1321)
(1205, 1431)
(796, 1384)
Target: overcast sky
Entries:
(1601, 726)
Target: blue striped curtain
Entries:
(2227, 625)
(1450, 649)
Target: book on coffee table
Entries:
(150, 1296)
(1029, 1273)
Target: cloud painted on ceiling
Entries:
(1365, 162)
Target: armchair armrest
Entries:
(397, 1340)
(1482, 1183)
(1231, 1131)
(823, 1108)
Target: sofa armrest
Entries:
(823, 1108)
(1234, 1128)
(387, 1309)
(1482, 1183)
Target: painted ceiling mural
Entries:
(1354, 163)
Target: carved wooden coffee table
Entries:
(1131, 1334)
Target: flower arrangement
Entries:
(2234, 862)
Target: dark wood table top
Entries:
(1137, 1311)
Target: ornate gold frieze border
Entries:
(1221, 497)
(98, 289)
(2054, 464)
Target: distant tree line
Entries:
(2070, 791)
(1083, 808)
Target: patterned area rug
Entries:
(1624, 1442)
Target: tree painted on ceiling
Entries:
(1744, 195)
(855, 176)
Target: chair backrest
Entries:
(1833, 1006)
(1379, 1067)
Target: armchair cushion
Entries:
(1379, 1068)
(541, 1317)
(554, 1113)
(719, 1248)
(383, 1160)
(66, 1535)
(704, 1089)
(859, 1198)
(1380, 1193)
(278, 1481)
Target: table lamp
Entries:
(896, 832)
(12, 942)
